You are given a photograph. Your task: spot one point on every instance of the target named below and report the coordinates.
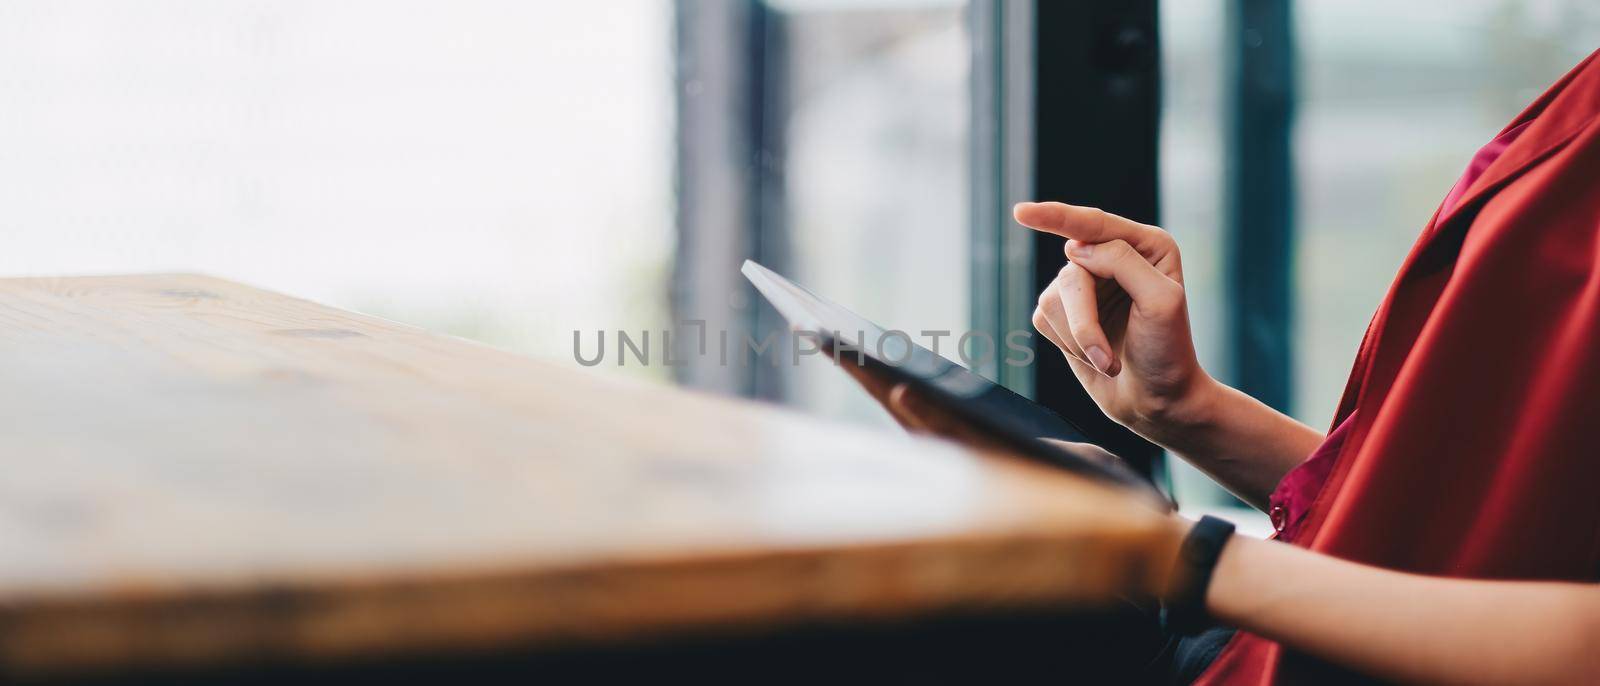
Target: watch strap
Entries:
(1184, 606)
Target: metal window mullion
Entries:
(1260, 199)
(1002, 161)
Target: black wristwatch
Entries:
(1184, 606)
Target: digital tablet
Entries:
(1010, 419)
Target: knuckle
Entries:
(1050, 299)
(1083, 331)
(1165, 243)
(1168, 301)
(1100, 218)
(1072, 276)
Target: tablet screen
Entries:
(806, 311)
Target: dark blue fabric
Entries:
(1193, 654)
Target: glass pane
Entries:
(490, 168)
(1193, 77)
(1192, 162)
(876, 175)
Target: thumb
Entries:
(907, 408)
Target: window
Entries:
(480, 167)
(1192, 191)
(876, 177)
(829, 141)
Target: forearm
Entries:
(1408, 627)
(1238, 440)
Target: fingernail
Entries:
(1081, 250)
(1099, 359)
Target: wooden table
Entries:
(199, 474)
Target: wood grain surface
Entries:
(197, 472)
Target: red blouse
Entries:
(1292, 498)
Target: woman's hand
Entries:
(919, 416)
(1119, 313)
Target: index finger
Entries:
(1087, 224)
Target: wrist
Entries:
(1184, 597)
(1177, 528)
(1179, 420)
